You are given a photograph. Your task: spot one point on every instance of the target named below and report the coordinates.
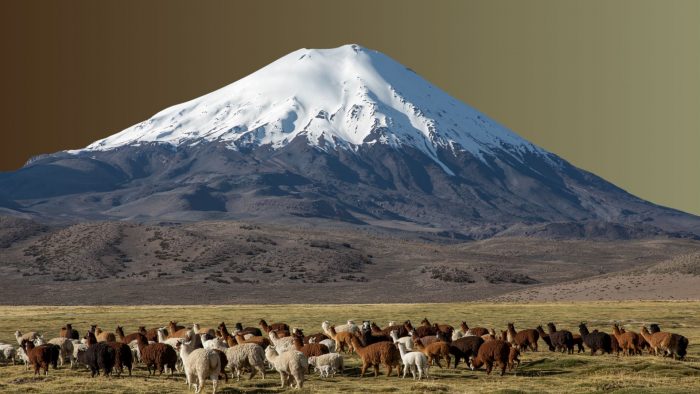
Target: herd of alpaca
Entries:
(202, 353)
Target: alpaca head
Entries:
(475, 362)
(582, 327)
(270, 351)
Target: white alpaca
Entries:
(216, 343)
(290, 364)
(406, 341)
(246, 356)
(199, 363)
(8, 352)
(327, 364)
(283, 344)
(30, 336)
(350, 326)
(413, 361)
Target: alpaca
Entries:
(413, 361)
(290, 364)
(377, 353)
(199, 363)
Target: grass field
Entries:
(542, 371)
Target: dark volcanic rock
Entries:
(542, 198)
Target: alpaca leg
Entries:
(489, 367)
(214, 382)
(376, 370)
(283, 378)
(405, 370)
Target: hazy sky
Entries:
(611, 86)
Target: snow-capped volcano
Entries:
(340, 98)
(344, 134)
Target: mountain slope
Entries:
(346, 135)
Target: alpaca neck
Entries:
(141, 342)
(185, 350)
(402, 350)
(224, 331)
(357, 345)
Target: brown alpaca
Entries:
(156, 355)
(446, 328)
(627, 341)
(425, 341)
(375, 354)
(342, 340)
(522, 339)
(281, 328)
(655, 341)
(474, 331)
(435, 351)
(41, 356)
(69, 332)
(545, 337)
(104, 336)
(260, 341)
(422, 330)
(490, 353)
(126, 338)
(578, 342)
(151, 334)
(310, 349)
(513, 359)
(641, 342)
(667, 343)
(175, 331)
(230, 340)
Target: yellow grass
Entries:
(540, 372)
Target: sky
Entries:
(611, 86)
